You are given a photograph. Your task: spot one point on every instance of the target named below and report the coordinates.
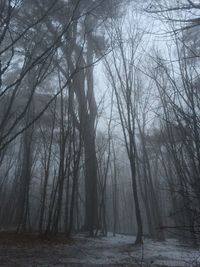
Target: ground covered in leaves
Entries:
(81, 251)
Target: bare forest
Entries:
(100, 133)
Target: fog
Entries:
(100, 129)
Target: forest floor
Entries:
(30, 250)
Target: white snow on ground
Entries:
(121, 249)
(104, 251)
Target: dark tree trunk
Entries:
(91, 209)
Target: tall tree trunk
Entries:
(91, 209)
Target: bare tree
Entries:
(123, 79)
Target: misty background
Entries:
(100, 118)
